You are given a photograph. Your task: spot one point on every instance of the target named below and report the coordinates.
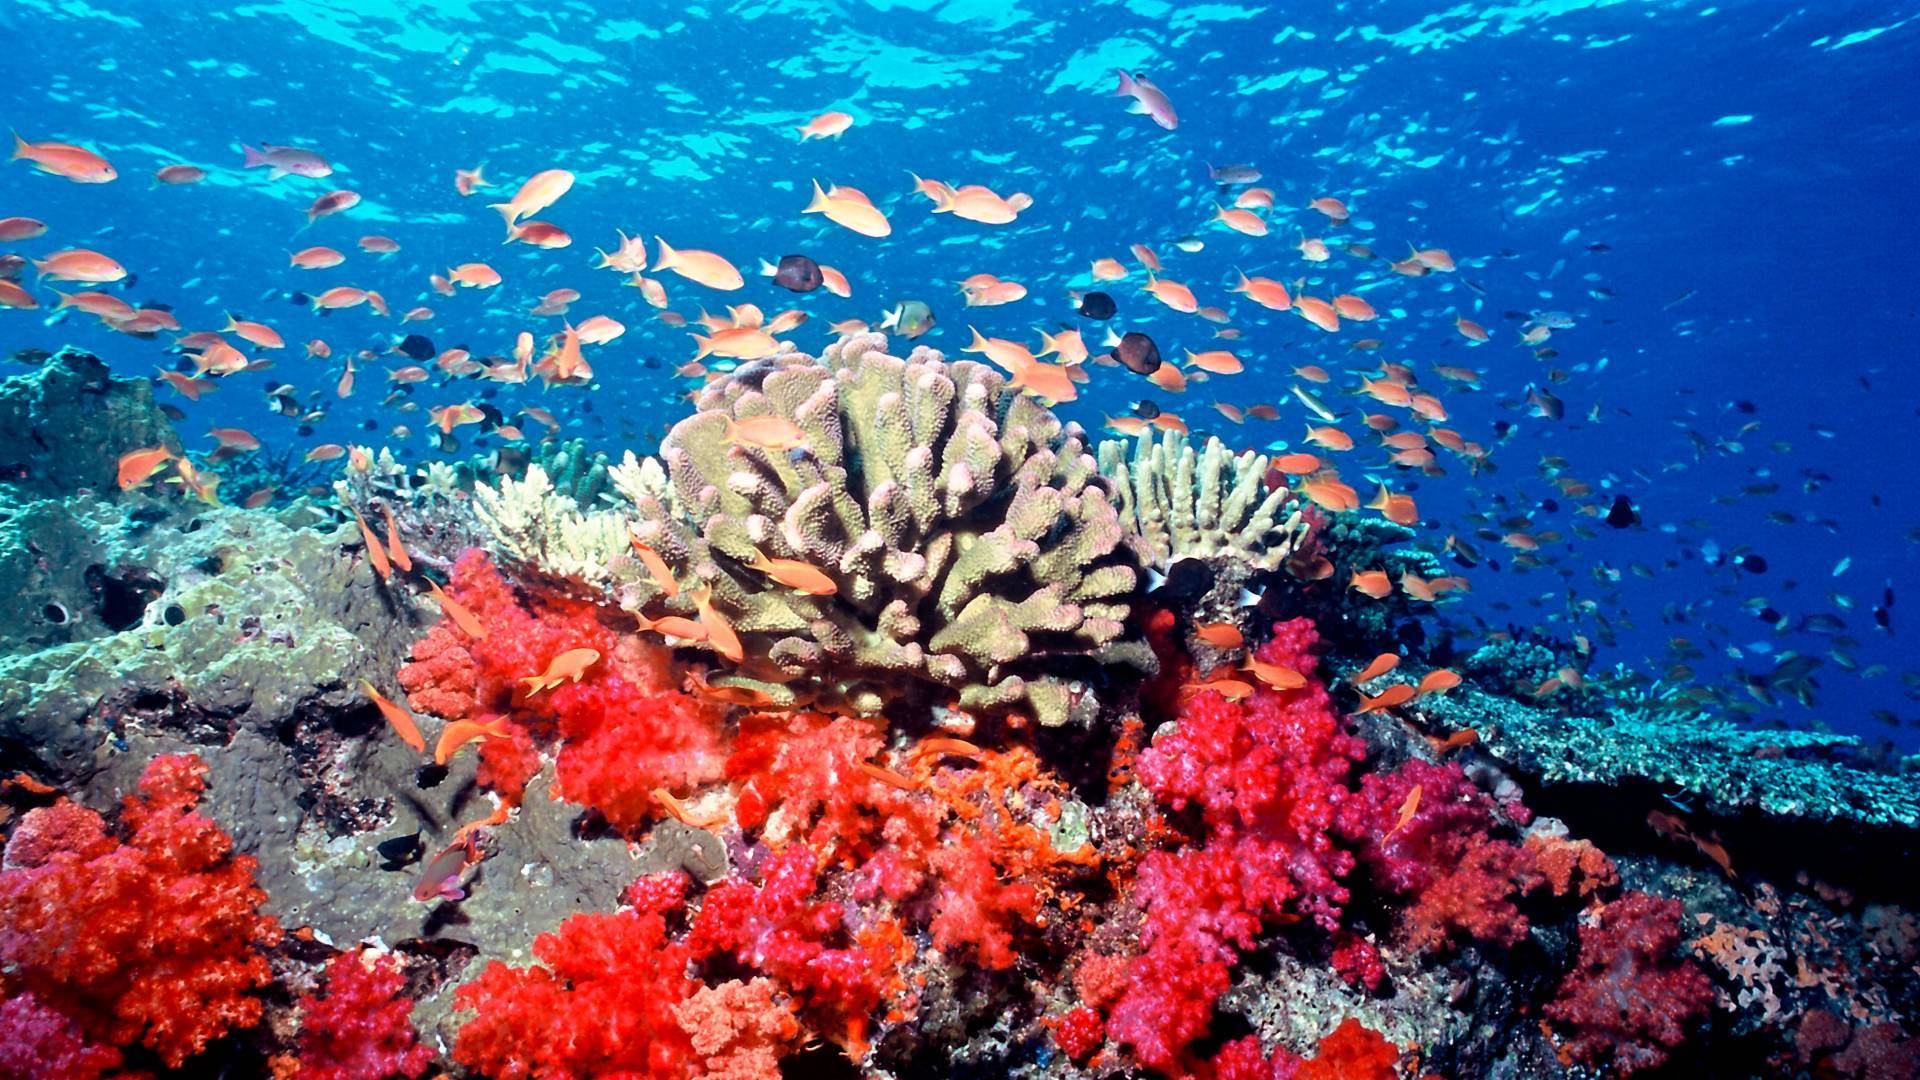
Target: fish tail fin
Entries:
(507, 214)
(513, 233)
(890, 319)
(665, 256)
(978, 344)
(20, 147)
(40, 268)
(818, 204)
(1127, 87)
(706, 346)
(767, 269)
(66, 300)
(254, 158)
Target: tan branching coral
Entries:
(972, 544)
(1204, 504)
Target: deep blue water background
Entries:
(1757, 159)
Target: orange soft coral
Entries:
(152, 941)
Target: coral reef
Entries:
(1706, 758)
(966, 542)
(981, 809)
(151, 941)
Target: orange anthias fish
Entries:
(719, 631)
(139, 466)
(1437, 681)
(462, 616)
(701, 267)
(401, 719)
(795, 574)
(765, 432)
(461, 732)
(1407, 809)
(1277, 676)
(376, 554)
(75, 163)
(1220, 635)
(1398, 694)
(656, 566)
(1374, 583)
(1231, 689)
(568, 666)
(1380, 665)
(395, 549)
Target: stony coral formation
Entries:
(1207, 504)
(972, 544)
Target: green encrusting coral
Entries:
(1709, 761)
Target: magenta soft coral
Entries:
(623, 730)
(1268, 775)
(1628, 999)
(153, 941)
(1462, 881)
(601, 1002)
(359, 1028)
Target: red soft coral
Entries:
(1628, 999)
(838, 970)
(623, 730)
(152, 941)
(360, 1028)
(602, 1004)
(1351, 1051)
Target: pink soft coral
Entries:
(39, 1043)
(741, 1030)
(155, 940)
(1628, 999)
(360, 1027)
(1268, 776)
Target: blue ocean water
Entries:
(1717, 198)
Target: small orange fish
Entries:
(376, 554)
(395, 550)
(795, 574)
(1437, 681)
(674, 626)
(139, 466)
(766, 432)
(1277, 676)
(656, 566)
(1380, 665)
(719, 631)
(1231, 689)
(1398, 694)
(401, 719)
(461, 732)
(1297, 464)
(1463, 737)
(1330, 494)
(568, 666)
(1407, 809)
(1398, 509)
(886, 776)
(1221, 635)
(461, 615)
(680, 812)
(1374, 583)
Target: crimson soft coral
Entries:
(1463, 881)
(153, 941)
(623, 730)
(359, 1028)
(601, 1002)
(1629, 1000)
